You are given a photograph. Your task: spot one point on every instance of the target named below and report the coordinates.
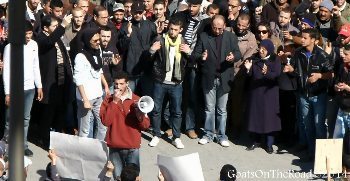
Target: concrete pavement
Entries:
(251, 165)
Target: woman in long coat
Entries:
(263, 105)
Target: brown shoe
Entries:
(169, 132)
(192, 134)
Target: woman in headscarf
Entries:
(88, 76)
(263, 106)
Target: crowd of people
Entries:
(277, 68)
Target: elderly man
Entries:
(216, 50)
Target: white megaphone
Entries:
(145, 104)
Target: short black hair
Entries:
(98, 9)
(213, 6)
(176, 21)
(56, 3)
(45, 1)
(311, 31)
(130, 172)
(47, 20)
(105, 28)
(28, 26)
(159, 2)
(121, 75)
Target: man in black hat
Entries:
(135, 40)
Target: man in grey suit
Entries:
(216, 51)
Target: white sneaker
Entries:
(154, 142)
(203, 141)
(225, 143)
(178, 143)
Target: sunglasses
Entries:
(262, 31)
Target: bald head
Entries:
(218, 25)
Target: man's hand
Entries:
(288, 68)
(264, 69)
(230, 57)
(160, 27)
(87, 104)
(53, 157)
(314, 77)
(7, 100)
(258, 10)
(341, 87)
(116, 59)
(185, 48)
(110, 166)
(328, 48)
(205, 55)
(40, 94)
(287, 35)
(107, 92)
(156, 46)
(160, 176)
(1, 65)
(129, 29)
(139, 115)
(248, 64)
(117, 95)
(66, 20)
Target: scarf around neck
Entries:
(90, 52)
(177, 61)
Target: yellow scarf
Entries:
(169, 43)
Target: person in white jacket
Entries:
(88, 76)
(32, 79)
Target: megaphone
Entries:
(145, 104)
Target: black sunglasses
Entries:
(262, 31)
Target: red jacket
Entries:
(124, 129)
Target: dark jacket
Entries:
(48, 65)
(159, 63)
(304, 67)
(209, 66)
(343, 97)
(135, 48)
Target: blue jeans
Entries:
(28, 102)
(122, 157)
(342, 124)
(313, 114)
(175, 99)
(142, 85)
(84, 119)
(215, 107)
(192, 88)
(331, 115)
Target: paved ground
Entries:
(252, 165)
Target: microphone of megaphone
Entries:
(145, 104)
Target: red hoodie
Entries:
(124, 129)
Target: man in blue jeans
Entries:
(311, 65)
(32, 79)
(216, 50)
(169, 54)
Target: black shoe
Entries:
(269, 149)
(28, 152)
(253, 146)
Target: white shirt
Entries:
(86, 75)
(31, 67)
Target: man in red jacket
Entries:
(125, 122)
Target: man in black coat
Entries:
(135, 40)
(216, 50)
(56, 75)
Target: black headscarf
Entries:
(88, 51)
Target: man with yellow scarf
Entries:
(169, 54)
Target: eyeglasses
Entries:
(262, 31)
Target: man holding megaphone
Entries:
(124, 121)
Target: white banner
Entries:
(79, 158)
(182, 168)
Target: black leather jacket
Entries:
(159, 63)
(318, 62)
